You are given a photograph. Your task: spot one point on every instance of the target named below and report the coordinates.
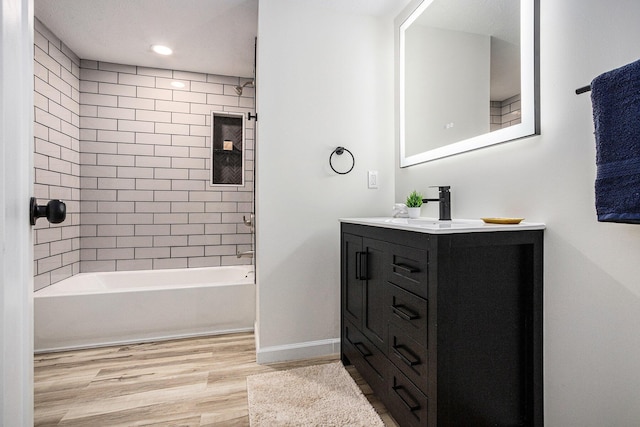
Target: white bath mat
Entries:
(319, 395)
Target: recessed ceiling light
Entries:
(177, 84)
(161, 50)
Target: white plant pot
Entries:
(414, 212)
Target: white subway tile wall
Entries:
(56, 156)
(505, 113)
(132, 163)
(511, 111)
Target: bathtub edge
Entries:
(142, 341)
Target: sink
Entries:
(436, 226)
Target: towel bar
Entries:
(583, 89)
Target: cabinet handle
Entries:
(405, 267)
(398, 352)
(363, 353)
(407, 399)
(362, 266)
(405, 313)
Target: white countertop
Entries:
(435, 226)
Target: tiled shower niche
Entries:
(227, 149)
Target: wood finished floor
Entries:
(190, 382)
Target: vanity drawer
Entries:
(407, 404)
(410, 357)
(408, 312)
(370, 362)
(408, 268)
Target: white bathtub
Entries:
(99, 309)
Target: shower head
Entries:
(239, 88)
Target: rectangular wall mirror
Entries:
(467, 76)
(227, 148)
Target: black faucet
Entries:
(444, 198)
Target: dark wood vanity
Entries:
(446, 327)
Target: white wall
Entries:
(324, 79)
(592, 285)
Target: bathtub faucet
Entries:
(245, 253)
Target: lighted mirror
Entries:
(467, 76)
(227, 148)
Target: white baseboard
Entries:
(297, 351)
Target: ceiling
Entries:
(209, 36)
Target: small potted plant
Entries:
(414, 202)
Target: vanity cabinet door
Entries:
(352, 283)
(374, 320)
(363, 287)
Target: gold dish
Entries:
(502, 220)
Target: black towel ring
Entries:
(339, 151)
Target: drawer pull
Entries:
(404, 313)
(407, 399)
(405, 267)
(400, 350)
(364, 351)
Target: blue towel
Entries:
(615, 96)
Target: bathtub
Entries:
(100, 309)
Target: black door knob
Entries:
(55, 211)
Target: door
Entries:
(16, 168)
